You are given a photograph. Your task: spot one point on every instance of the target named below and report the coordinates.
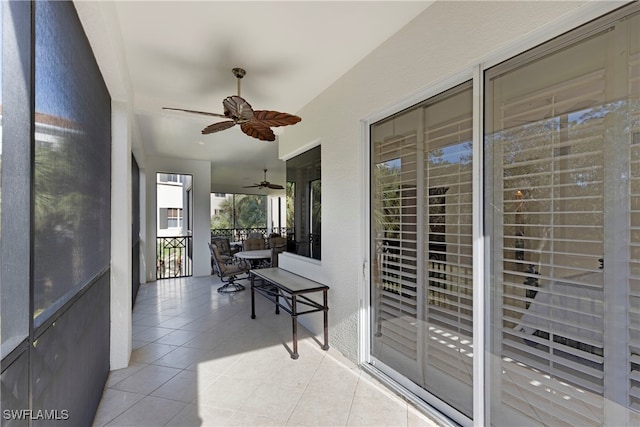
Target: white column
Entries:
(120, 237)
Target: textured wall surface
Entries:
(449, 38)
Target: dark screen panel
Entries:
(135, 229)
(16, 157)
(72, 160)
(70, 362)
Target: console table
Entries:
(290, 291)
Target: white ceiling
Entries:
(180, 54)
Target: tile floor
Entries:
(200, 360)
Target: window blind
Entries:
(422, 242)
(448, 255)
(552, 238)
(396, 242)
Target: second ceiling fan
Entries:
(255, 123)
(266, 184)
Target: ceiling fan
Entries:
(266, 184)
(255, 123)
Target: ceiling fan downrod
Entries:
(239, 73)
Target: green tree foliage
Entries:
(223, 219)
(251, 210)
(241, 211)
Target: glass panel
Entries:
(304, 196)
(250, 211)
(172, 199)
(422, 246)
(174, 249)
(236, 215)
(315, 220)
(72, 160)
(558, 160)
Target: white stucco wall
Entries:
(448, 39)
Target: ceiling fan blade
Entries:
(217, 127)
(275, 186)
(275, 118)
(237, 108)
(252, 186)
(196, 112)
(258, 130)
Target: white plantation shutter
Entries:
(552, 238)
(422, 244)
(396, 242)
(562, 183)
(448, 247)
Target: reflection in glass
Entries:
(422, 246)
(72, 161)
(563, 174)
(304, 204)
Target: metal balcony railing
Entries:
(308, 246)
(174, 257)
(241, 234)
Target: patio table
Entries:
(257, 258)
(289, 291)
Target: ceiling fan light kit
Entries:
(255, 123)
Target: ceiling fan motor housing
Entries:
(239, 72)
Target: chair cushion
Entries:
(254, 244)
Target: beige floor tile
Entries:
(252, 420)
(135, 345)
(181, 357)
(207, 340)
(176, 322)
(177, 337)
(210, 364)
(150, 411)
(114, 403)
(215, 362)
(320, 408)
(150, 334)
(278, 401)
(150, 352)
(182, 387)
(377, 409)
(147, 379)
(333, 376)
(294, 373)
(120, 374)
(201, 416)
(228, 392)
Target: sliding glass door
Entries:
(563, 183)
(421, 292)
(559, 232)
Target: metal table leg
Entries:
(294, 321)
(326, 321)
(253, 297)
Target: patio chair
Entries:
(254, 244)
(275, 251)
(223, 244)
(277, 240)
(228, 269)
